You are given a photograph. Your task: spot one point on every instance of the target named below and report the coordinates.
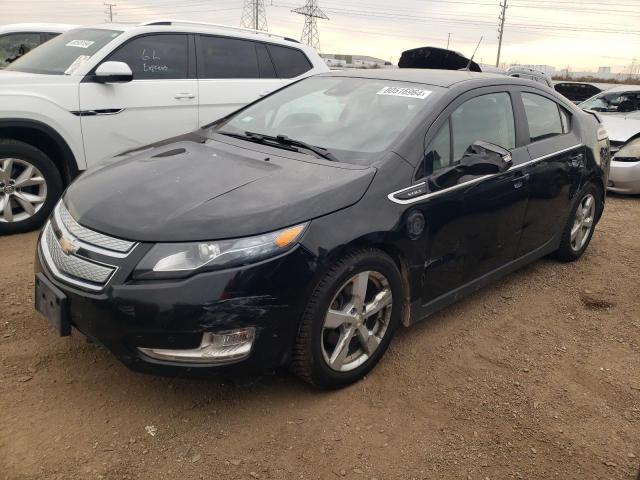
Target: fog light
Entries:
(215, 347)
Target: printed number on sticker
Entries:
(405, 92)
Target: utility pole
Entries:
(254, 15)
(109, 10)
(312, 13)
(501, 19)
(448, 40)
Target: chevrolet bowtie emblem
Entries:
(68, 246)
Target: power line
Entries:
(254, 15)
(312, 13)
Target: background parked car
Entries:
(18, 39)
(95, 92)
(619, 109)
(577, 92)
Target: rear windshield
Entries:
(66, 53)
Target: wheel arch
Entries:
(45, 138)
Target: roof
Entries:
(36, 27)
(439, 78)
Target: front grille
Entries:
(91, 237)
(72, 268)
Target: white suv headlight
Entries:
(175, 260)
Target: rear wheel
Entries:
(350, 320)
(580, 225)
(30, 185)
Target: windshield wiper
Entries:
(281, 141)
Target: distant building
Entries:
(604, 70)
(354, 61)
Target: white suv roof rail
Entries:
(216, 25)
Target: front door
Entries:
(160, 102)
(473, 227)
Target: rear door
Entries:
(160, 102)
(474, 226)
(231, 73)
(557, 156)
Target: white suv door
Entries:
(160, 102)
(233, 72)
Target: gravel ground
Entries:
(536, 377)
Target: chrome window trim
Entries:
(426, 196)
(44, 251)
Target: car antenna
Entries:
(474, 54)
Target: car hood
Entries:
(21, 79)
(189, 191)
(621, 127)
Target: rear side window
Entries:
(488, 118)
(264, 62)
(227, 58)
(290, 62)
(155, 57)
(543, 117)
(15, 45)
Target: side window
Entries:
(155, 57)
(488, 118)
(227, 58)
(15, 45)
(265, 64)
(290, 62)
(543, 116)
(438, 153)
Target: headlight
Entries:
(629, 152)
(176, 260)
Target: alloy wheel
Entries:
(357, 320)
(583, 222)
(23, 190)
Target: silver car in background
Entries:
(619, 109)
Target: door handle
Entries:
(520, 180)
(182, 96)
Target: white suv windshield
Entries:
(613, 102)
(352, 116)
(65, 53)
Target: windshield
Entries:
(351, 117)
(616, 102)
(65, 53)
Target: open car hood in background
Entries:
(436, 58)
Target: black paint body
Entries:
(210, 187)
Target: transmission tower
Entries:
(501, 19)
(254, 15)
(311, 13)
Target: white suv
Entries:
(95, 92)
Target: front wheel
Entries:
(349, 320)
(30, 185)
(580, 225)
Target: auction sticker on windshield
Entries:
(405, 92)
(80, 43)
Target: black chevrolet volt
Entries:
(305, 228)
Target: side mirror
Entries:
(481, 158)
(113, 72)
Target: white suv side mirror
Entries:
(114, 72)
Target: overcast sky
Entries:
(580, 34)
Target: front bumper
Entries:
(128, 317)
(624, 177)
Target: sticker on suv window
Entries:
(80, 43)
(405, 92)
(77, 63)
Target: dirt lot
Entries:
(536, 377)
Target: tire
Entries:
(318, 338)
(570, 249)
(26, 208)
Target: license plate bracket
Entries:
(53, 304)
